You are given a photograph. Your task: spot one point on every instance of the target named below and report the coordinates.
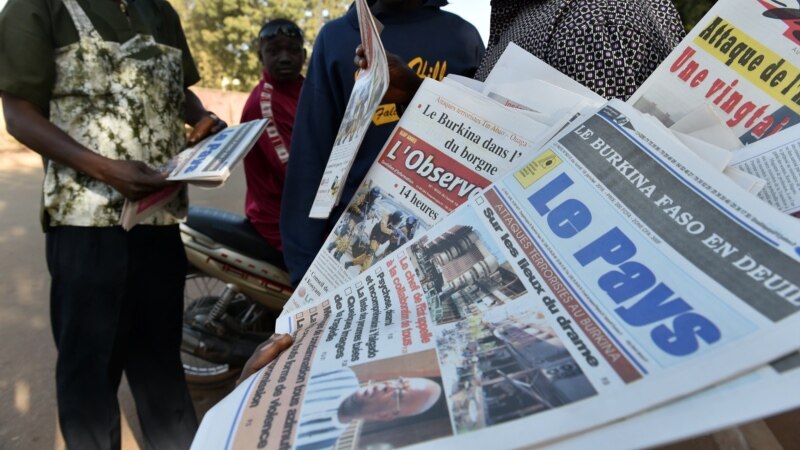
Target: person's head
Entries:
(281, 50)
(395, 218)
(389, 400)
(374, 193)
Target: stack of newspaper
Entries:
(207, 164)
(527, 265)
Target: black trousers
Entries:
(116, 304)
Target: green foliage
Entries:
(222, 34)
(693, 10)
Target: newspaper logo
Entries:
(537, 168)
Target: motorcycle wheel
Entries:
(202, 291)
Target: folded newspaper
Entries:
(623, 275)
(741, 61)
(206, 164)
(367, 93)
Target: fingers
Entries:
(276, 344)
(360, 59)
(148, 171)
(133, 179)
(265, 354)
(219, 126)
(150, 179)
(205, 127)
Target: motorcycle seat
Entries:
(234, 231)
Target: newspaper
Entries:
(368, 91)
(776, 159)
(206, 164)
(624, 275)
(450, 144)
(742, 60)
(758, 394)
(518, 66)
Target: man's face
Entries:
(391, 399)
(283, 57)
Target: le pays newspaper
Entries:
(764, 391)
(620, 276)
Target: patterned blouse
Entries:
(609, 46)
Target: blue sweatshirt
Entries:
(432, 41)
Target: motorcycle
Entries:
(236, 286)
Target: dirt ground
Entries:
(27, 354)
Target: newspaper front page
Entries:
(742, 59)
(564, 297)
(368, 91)
(449, 145)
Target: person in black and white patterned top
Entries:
(609, 46)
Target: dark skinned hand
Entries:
(205, 127)
(133, 179)
(403, 82)
(265, 354)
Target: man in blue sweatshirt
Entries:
(434, 42)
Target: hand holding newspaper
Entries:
(368, 91)
(206, 164)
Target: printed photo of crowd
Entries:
(372, 227)
(506, 365)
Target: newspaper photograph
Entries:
(742, 60)
(449, 144)
(618, 277)
(367, 94)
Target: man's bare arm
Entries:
(26, 122)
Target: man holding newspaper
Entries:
(100, 90)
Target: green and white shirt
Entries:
(113, 82)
